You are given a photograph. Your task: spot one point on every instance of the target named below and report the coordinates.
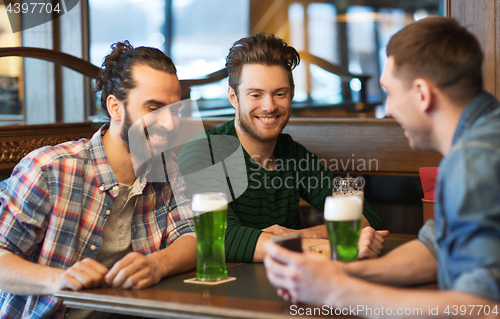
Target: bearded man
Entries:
(77, 215)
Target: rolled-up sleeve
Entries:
(180, 218)
(24, 209)
(427, 235)
(240, 240)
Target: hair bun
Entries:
(120, 47)
(110, 66)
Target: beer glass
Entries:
(343, 222)
(210, 220)
(348, 186)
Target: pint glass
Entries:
(210, 220)
(343, 222)
(348, 186)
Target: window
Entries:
(352, 36)
(143, 23)
(196, 35)
(202, 33)
(11, 101)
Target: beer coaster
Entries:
(210, 283)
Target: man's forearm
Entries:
(179, 257)
(409, 264)
(321, 232)
(21, 277)
(314, 232)
(260, 252)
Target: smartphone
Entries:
(292, 241)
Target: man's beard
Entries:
(125, 128)
(136, 137)
(247, 127)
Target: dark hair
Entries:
(116, 76)
(260, 49)
(438, 49)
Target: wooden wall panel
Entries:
(374, 146)
(342, 141)
(482, 18)
(378, 144)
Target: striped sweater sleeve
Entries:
(240, 240)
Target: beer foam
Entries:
(207, 205)
(343, 208)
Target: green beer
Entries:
(210, 220)
(344, 237)
(343, 222)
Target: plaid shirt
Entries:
(53, 211)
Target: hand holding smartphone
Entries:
(291, 241)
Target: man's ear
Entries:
(113, 107)
(425, 97)
(232, 97)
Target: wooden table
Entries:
(249, 296)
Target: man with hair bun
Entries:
(435, 91)
(76, 215)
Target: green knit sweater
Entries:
(272, 197)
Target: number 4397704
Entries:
(33, 8)
(470, 310)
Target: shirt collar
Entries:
(104, 172)
(481, 104)
(100, 163)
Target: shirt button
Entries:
(93, 247)
(108, 212)
(115, 187)
(101, 188)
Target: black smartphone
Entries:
(291, 241)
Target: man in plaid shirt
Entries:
(77, 215)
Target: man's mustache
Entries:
(159, 131)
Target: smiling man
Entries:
(261, 90)
(78, 215)
(434, 87)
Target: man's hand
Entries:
(134, 271)
(86, 273)
(304, 277)
(278, 230)
(318, 232)
(371, 242)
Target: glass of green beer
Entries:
(343, 215)
(210, 220)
